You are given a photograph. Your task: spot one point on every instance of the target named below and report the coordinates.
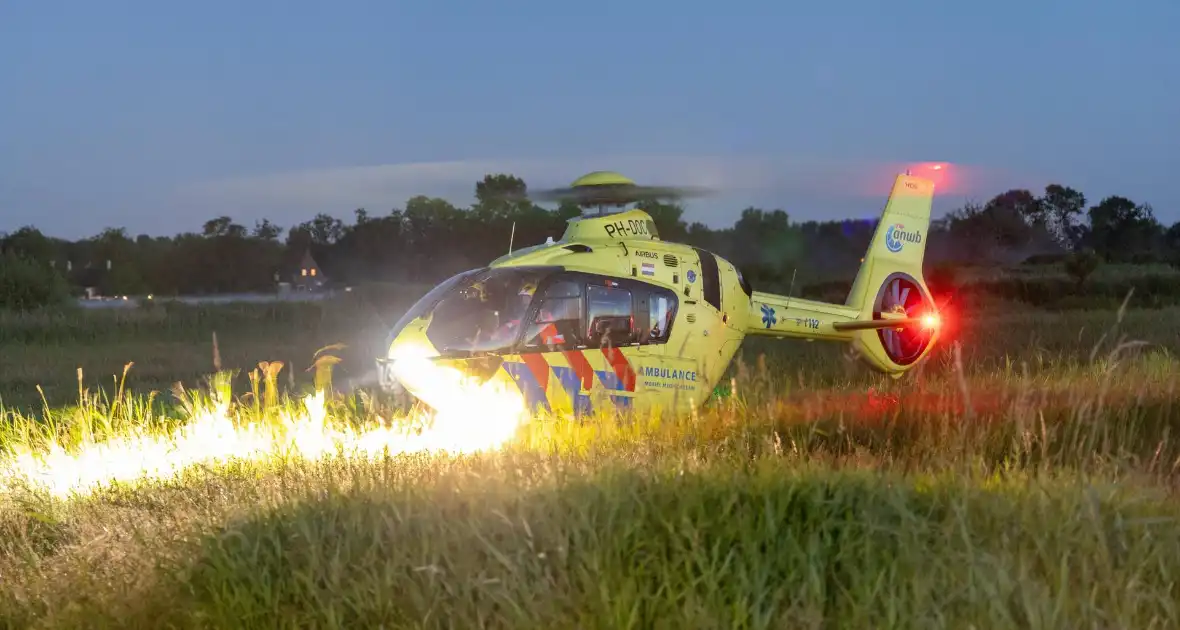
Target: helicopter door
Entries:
(663, 375)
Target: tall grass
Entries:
(1050, 505)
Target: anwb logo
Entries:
(896, 237)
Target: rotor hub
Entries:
(602, 178)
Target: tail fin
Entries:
(899, 242)
(890, 279)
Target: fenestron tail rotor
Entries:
(901, 295)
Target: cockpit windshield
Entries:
(427, 302)
(483, 311)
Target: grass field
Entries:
(1025, 478)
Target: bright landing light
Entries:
(930, 321)
(465, 409)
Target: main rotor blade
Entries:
(610, 194)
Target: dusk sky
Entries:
(156, 116)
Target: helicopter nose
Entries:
(409, 346)
(405, 365)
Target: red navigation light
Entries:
(940, 173)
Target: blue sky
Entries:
(155, 116)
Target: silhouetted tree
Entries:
(1122, 231)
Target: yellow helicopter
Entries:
(610, 314)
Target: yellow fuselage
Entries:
(675, 370)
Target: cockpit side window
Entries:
(557, 324)
(610, 315)
(661, 313)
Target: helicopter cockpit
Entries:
(539, 309)
(482, 311)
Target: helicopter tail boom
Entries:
(889, 315)
(774, 315)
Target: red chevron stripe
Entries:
(537, 364)
(581, 367)
(622, 367)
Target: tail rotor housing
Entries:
(902, 294)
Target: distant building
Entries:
(305, 274)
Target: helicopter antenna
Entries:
(791, 290)
(511, 237)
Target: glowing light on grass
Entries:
(470, 417)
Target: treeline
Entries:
(430, 239)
